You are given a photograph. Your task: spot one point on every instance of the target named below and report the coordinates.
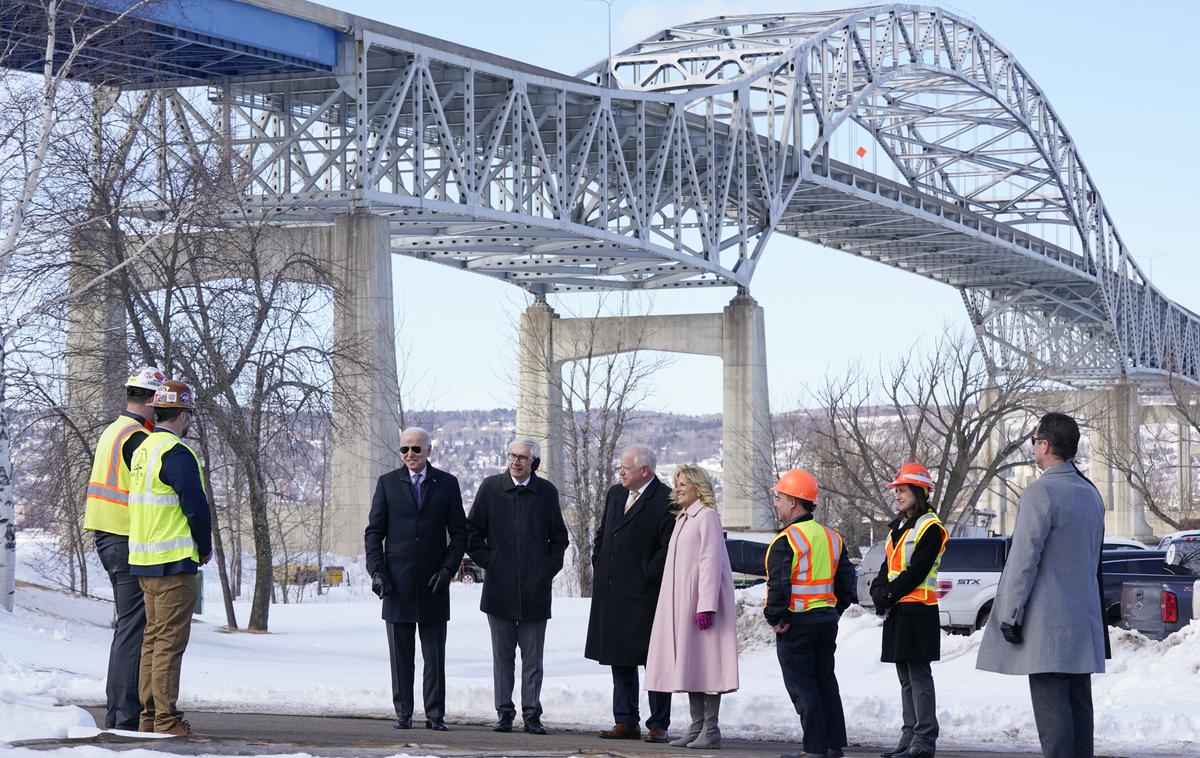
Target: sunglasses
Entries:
(405, 448)
(1034, 439)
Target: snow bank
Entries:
(328, 655)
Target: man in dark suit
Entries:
(627, 567)
(415, 538)
(516, 533)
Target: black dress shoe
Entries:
(402, 722)
(894, 752)
(534, 726)
(437, 725)
(504, 724)
(912, 752)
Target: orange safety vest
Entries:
(816, 550)
(106, 508)
(898, 557)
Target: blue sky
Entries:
(1116, 73)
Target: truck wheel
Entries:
(1113, 615)
(984, 613)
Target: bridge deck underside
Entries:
(886, 223)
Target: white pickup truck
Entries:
(967, 580)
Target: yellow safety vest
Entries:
(106, 508)
(158, 530)
(899, 556)
(816, 550)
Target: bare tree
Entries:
(1150, 450)
(943, 409)
(37, 113)
(602, 387)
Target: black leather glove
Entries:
(879, 596)
(1012, 633)
(380, 584)
(439, 582)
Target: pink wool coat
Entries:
(697, 578)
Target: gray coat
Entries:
(1049, 585)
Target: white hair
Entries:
(643, 455)
(425, 438)
(535, 450)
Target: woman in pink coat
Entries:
(693, 643)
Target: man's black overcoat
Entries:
(627, 567)
(518, 536)
(412, 543)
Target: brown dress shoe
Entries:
(655, 735)
(621, 732)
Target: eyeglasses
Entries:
(1034, 439)
(405, 448)
(520, 458)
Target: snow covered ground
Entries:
(329, 656)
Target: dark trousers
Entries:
(1062, 710)
(919, 705)
(125, 654)
(625, 700)
(402, 649)
(507, 636)
(806, 658)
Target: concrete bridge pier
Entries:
(366, 432)
(1114, 440)
(737, 335)
(96, 333)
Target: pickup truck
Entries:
(1160, 607)
(970, 573)
(967, 579)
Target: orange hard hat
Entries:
(174, 394)
(798, 483)
(914, 474)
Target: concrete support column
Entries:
(1118, 442)
(747, 457)
(96, 355)
(539, 386)
(1184, 435)
(366, 434)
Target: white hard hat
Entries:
(147, 378)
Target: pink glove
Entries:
(704, 619)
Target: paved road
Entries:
(258, 734)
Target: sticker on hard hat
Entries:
(170, 397)
(158, 375)
(185, 398)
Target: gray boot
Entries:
(710, 735)
(696, 703)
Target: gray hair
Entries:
(425, 438)
(643, 455)
(535, 450)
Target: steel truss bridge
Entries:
(670, 165)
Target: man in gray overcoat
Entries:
(1047, 620)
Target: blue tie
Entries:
(416, 485)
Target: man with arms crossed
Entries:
(628, 554)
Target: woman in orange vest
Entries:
(906, 591)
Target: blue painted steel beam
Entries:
(171, 41)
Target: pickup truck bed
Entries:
(1158, 609)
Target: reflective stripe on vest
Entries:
(158, 530)
(105, 508)
(816, 550)
(898, 560)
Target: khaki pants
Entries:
(170, 601)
